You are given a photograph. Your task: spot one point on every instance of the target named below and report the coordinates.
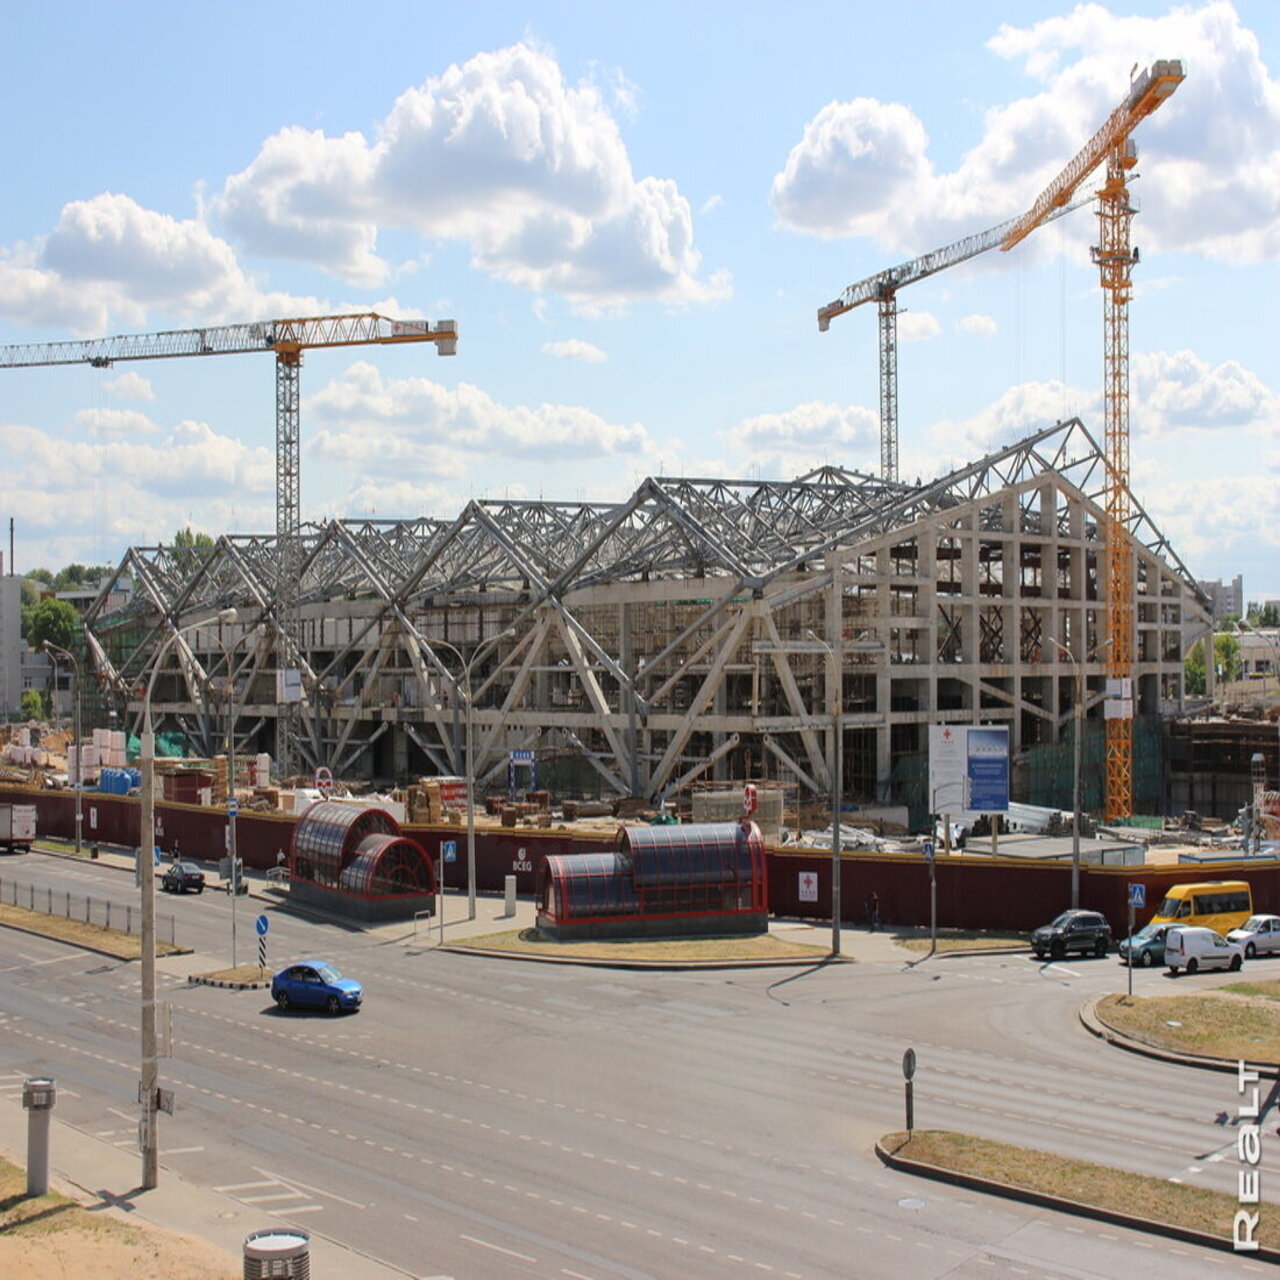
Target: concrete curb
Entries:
(1089, 1019)
(82, 946)
(118, 861)
(779, 962)
(970, 1182)
(195, 980)
(85, 946)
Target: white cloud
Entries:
(109, 263)
(575, 349)
(498, 153)
(856, 161)
(129, 386)
(72, 493)
(1179, 390)
(786, 444)
(1019, 411)
(115, 424)
(1210, 156)
(412, 427)
(984, 326)
(917, 326)
(1221, 525)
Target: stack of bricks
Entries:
(219, 789)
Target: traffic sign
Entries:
(908, 1064)
(233, 806)
(928, 850)
(262, 924)
(450, 850)
(1137, 895)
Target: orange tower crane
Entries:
(288, 339)
(1115, 256)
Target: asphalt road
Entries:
(490, 1118)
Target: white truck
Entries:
(17, 827)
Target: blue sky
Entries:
(633, 213)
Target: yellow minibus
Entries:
(1219, 905)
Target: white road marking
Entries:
(497, 1248)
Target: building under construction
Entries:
(702, 630)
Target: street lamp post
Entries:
(1078, 718)
(837, 790)
(467, 667)
(148, 1089)
(230, 615)
(55, 653)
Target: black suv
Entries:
(1085, 931)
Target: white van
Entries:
(1194, 947)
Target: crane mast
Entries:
(882, 288)
(1115, 256)
(287, 339)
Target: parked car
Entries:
(1147, 945)
(1194, 947)
(182, 876)
(315, 984)
(1076, 930)
(1259, 936)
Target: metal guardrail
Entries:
(123, 917)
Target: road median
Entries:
(1139, 1201)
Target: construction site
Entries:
(802, 634)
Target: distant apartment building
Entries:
(1227, 598)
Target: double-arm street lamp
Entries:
(226, 616)
(468, 665)
(836, 698)
(148, 1090)
(57, 653)
(1075, 782)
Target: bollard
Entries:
(93, 853)
(283, 1253)
(38, 1096)
(511, 896)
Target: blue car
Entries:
(1147, 945)
(315, 984)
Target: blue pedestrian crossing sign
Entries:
(1137, 895)
(928, 850)
(449, 848)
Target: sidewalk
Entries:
(101, 1175)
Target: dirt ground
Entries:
(77, 1254)
(55, 1237)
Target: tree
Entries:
(1226, 657)
(1193, 668)
(78, 575)
(55, 621)
(32, 704)
(190, 548)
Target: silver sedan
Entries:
(1259, 936)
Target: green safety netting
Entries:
(167, 744)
